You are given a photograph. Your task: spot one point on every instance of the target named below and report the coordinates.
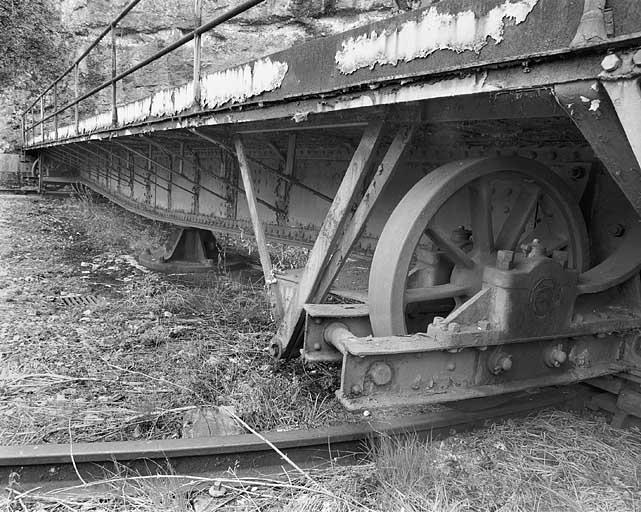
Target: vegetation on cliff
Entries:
(34, 45)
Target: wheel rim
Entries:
(543, 207)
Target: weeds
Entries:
(154, 344)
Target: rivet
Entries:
(483, 325)
(451, 366)
(318, 321)
(357, 389)
(611, 62)
(317, 346)
(577, 173)
(616, 230)
(453, 327)
(380, 373)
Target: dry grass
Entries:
(153, 347)
(555, 461)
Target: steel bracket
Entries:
(188, 250)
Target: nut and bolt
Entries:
(380, 373)
(500, 362)
(577, 173)
(555, 356)
(616, 230)
(460, 235)
(610, 62)
(453, 327)
(537, 249)
(505, 260)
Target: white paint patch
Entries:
(433, 31)
(242, 82)
(471, 84)
(235, 84)
(594, 105)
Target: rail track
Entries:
(56, 466)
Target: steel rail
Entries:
(168, 49)
(59, 465)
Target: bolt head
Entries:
(506, 363)
(504, 260)
(380, 373)
(453, 327)
(610, 62)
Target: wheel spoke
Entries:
(481, 216)
(454, 253)
(514, 225)
(441, 291)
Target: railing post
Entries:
(55, 110)
(76, 87)
(33, 123)
(198, 14)
(42, 118)
(114, 108)
(23, 124)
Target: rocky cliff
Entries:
(153, 24)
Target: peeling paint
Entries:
(242, 82)
(470, 84)
(594, 105)
(235, 84)
(431, 32)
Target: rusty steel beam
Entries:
(287, 339)
(356, 223)
(87, 150)
(275, 172)
(134, 164)
(259, 233)
(154, 162)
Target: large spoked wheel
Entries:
(432, 251)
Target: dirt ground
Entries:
(93, 347)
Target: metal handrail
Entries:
(86, 52)
(193, 35)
